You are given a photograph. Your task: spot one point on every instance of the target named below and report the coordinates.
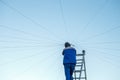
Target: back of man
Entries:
(69, 60)
(69, 55)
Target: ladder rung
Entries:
(76, 78)
(79, 60)
(80, 78)
(78, 70)
(83, 78)
(79, 54)
(78, 65)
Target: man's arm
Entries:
(63, 52)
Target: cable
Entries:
(103, 33)
(28, 18)
(26, 46)
(27, 42)
(93, 18)
(112, 49)
(20, 42)
(107, 58)
(19, 38)
(62, 13)
(102, 44)
(16, 39)
(26, 33)
(23, 58)
(109, 54)
(41, 61)
(107, 42)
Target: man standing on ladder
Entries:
(69, 60)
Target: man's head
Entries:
(67, 44)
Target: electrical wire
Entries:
(105, 48)
(31, 20)
(101, 34)
(63, 17)
(100, 43)
(107, 58)
(95, 15)
(26, 46)
(16, 39)
(41, 61)
(109, 54)
(23, 58)
(26, 33)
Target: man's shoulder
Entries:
(69, 48)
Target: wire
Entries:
(108, 54)
(23, 58)
(103, 33)
(41, 61)
(19, 38)
(26, 33)
(107, 42)
(107, 58)
(16, 39)
(28, 18)
(29, 42)
(96, 14)
(112, 49)
(63, 17)
(24, 46)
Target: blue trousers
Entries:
(69, 69)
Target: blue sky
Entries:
(32, 34)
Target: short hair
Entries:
(67, 44)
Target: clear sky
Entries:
(32, 34)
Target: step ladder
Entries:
(80, 68)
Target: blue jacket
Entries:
(69, 55)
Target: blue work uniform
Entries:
(69, 62)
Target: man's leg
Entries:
(72, 67)
(67, 71)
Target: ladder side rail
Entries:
(81, 69)
(85, 68)
(75, 75)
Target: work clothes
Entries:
(69, 55)
(69, 69)
(69, 62)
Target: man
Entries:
(69, 60)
